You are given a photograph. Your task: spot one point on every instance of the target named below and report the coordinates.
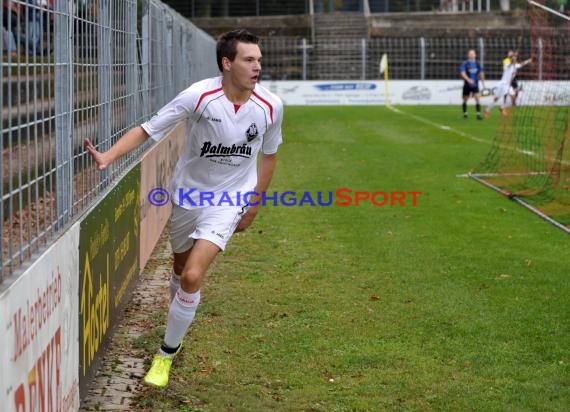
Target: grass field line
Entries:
(470, 136)
(442, 126)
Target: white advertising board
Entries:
(38, 320)
(406, 92)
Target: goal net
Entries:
(530, 157)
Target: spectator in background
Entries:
(34, 28)
(11, 19)
(9, 43)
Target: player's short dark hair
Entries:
(227, 44)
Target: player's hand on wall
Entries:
(97, 156)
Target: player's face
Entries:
(471, 55)
(246, 67)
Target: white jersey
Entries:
(219, 154)
(509, 72)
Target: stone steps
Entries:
(338, 45)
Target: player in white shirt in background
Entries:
(230, 119)
(504, 87)
(514, 90)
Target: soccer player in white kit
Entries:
(504, 86)
(231, 119)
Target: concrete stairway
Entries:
(337, 52)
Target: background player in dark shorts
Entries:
(469, 90)
(472, 72)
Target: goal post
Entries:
(530, 158)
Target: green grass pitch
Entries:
(457, 304)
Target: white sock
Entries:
(490, 106)
(174, 284)
(180, 316)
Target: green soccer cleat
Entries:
(157, 375)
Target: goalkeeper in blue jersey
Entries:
(472, 72)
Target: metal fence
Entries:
(288, 58)
(73, 70)
(238, 8)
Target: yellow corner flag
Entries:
(384, 70)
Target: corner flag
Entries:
(384, 70)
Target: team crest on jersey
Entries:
(251, 132)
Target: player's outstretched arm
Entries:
(131, 140)
(264, 176)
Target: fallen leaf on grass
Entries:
(206, 372)
(375, 297)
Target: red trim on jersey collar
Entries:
(236, 107)
(205, 95)
(267, 103)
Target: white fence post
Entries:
(105, 61)
(304, 47)
(131, 64)
(363, 58)
(64, 110)
(482, 51)
(540, 58)
(422, 58)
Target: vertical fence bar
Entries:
(540, 58)
(145, 58)
(4, 270)
(131, 74)
(422, 58)
(64, 111)
(363, 57)
(304, 47)
(9, 61)
(482, 51)
(105, 60)
(169, 61)
(181, 58)
(366, 8)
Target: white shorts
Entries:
(502, 90)
(215, 223)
